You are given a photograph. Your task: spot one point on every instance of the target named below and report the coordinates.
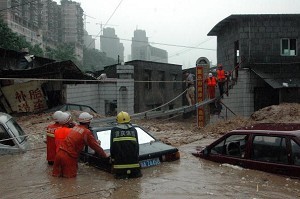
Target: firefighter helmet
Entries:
(123, 117)
(56, 115)
(85, 117)
(64, 118)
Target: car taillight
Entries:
(171, 156)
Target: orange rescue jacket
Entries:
(221, 74)
(60, 135)
(211, 81)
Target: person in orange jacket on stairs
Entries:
(211, 82)
(221, 77)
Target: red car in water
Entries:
(268, 147)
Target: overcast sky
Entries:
(178, 26)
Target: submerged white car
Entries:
(151, 151)
(12, 136)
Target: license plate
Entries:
(149, 162)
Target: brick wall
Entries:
(241, 97)
(93, 95)
(100, 96)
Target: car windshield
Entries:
(16, 130)
(104, 137)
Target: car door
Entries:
(231, 149)
(269, 153)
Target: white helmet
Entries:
(56, 115)
(85, 117)
(64, 118)
(210, 75)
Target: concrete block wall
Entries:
(259, 38)
(86, 94)
(93, 95)
(107, 92)
(241, 96)
(125, 88)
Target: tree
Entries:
(94, 60)
(9, 39)
(65, 52)
(36, 50)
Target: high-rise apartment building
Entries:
(89, 41)
(22, 18)
(110, 44)
(72, 25)
(72, 22)
(45, 23)
(142, 50)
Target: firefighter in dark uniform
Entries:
(124, 148)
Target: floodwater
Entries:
(29, 176)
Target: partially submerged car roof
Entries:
(4, 117)
(12, 137)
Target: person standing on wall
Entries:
(221, 77)
(124, 148)
(50, 141)
(211, 82)
(65, 163)
(190, 85)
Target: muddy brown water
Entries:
(28, 176)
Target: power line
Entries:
(107, 22)
(163, 44)
(87, 80)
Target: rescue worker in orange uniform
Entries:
(50, 141)
(211, 82)
(61, 133)
(124, 148)
(221, 77)
(65, 163)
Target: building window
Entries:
(175, 83)
(161, 79)
(288, 47)
(147, 79)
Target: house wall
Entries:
(125, 88)
(94, 95)
(106, 94)
(241, 96)
(259, 39)
(163, 85)
(225, 43)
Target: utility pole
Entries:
(100, 24)
(84, 19)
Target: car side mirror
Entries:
(205, 152)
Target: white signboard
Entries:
(25, 97)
